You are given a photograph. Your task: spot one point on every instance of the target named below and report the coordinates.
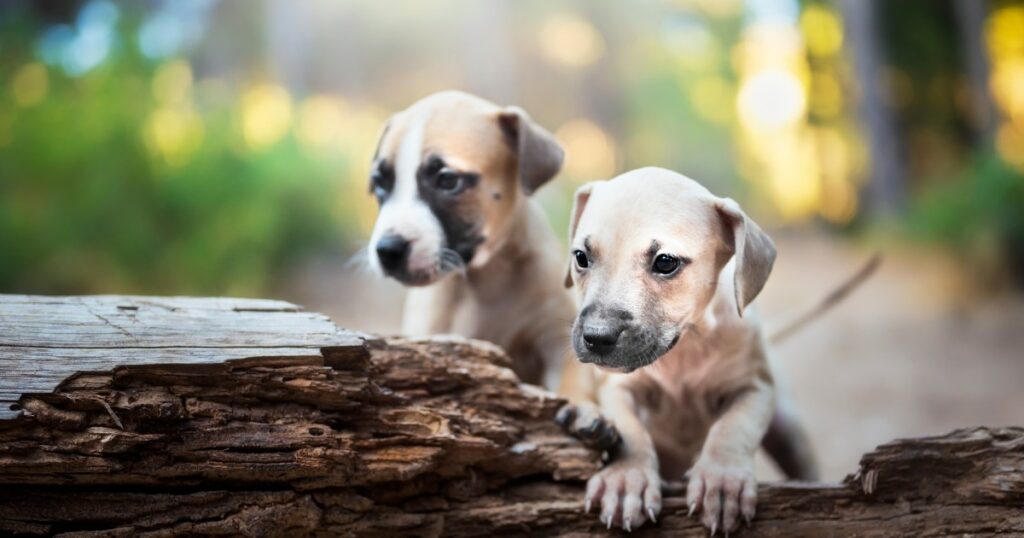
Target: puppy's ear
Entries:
(752, 248)
(578, 204)
(380, 137)
(539, 156)
(376, 152)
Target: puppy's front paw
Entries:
(722, 491)
(629, 493)
(585, 422)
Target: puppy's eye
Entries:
(665, 264)
(448, 181)
(582, 261)
(382, 180)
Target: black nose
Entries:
(601, 339)
(392, 251)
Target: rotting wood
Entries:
(255, 418)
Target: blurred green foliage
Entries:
(979, 215)
(86, 206)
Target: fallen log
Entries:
(134, 416)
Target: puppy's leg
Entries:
(553, 343)
(428, 310)
(722, 483)
(788, 445)
(628, 489)
(581, 417)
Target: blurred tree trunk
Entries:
(886, 193)
(290, 53)
(490, 63)
(970, 17)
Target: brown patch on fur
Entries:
(463, 131)
(509, 294)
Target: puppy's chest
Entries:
(527, 330)
(681, 399)
(677, 424)
(497, 321)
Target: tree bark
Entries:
(886, 192)
(970, 20)
(233, 417)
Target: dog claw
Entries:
(609, 523)
(627, 524)
(586, 507)
(714, 529)
(693, 508)
(565, 415)
(650, 514)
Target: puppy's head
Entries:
(449, 172)
(647, 252)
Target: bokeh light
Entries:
(589, 151)
(30, 84)
(713, 98)
(826, 96)
(174, 134)
(771, 100)
(822, 30)
(321, 122)
(266, 115)
(1005, 43)
(571, 40)
(172, 83)
(1008, 86)
(1010, 144)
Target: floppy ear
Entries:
(538, 154)
(376, 152)
(380, 137)
(752, 248)
(579, 202)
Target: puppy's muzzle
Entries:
(393, 253)
(600, 332)
(601, 338)
(613, 338)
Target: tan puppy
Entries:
(664, 271)
(453, 176)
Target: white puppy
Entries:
(664, 272)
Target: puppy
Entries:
(453, 175)
(664, 271)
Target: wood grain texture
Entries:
(46, 339)
(325, 432)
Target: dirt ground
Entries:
(908, 354)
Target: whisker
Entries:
(359, 260)
(449, 260)
(570, 322)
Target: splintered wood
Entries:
(136, 416)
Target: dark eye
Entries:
(448, 181)
(665, 264)
(381, 182)
(581, 259)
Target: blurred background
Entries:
(210, 147)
